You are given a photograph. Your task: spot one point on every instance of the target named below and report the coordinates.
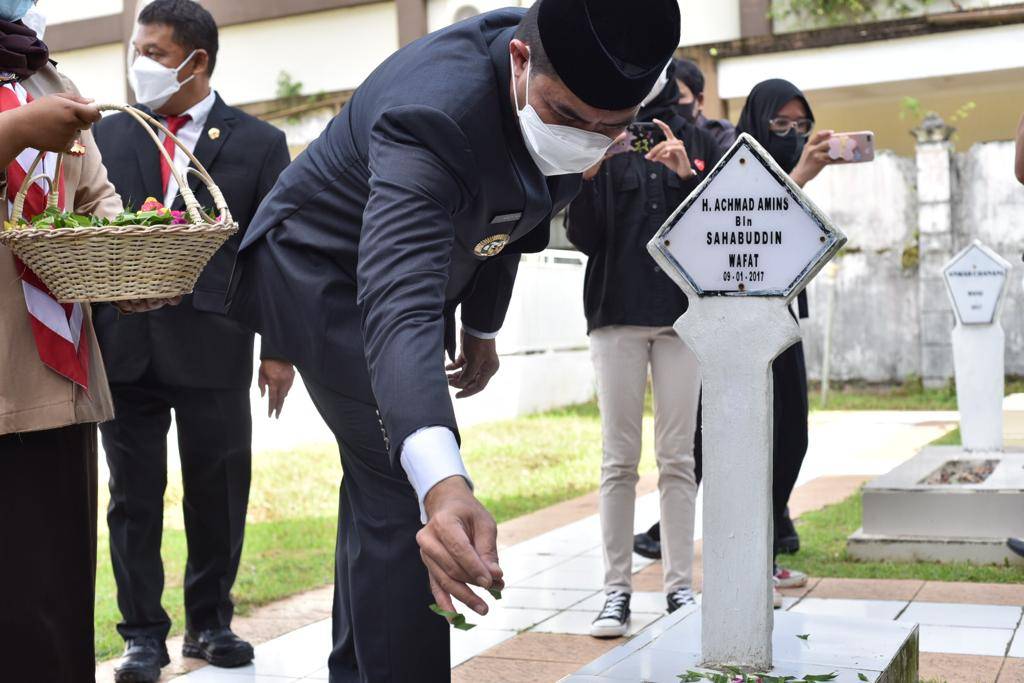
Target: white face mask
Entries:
(155, 83)
(557, 150)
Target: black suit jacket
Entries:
(356, 261)
(193, 344)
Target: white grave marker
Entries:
(741, 247)
(976, 281)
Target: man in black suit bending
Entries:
(192, 358)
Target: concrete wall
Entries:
(875, 320)
(877, 328)
(989, 205)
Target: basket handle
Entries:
(195, 212)
(53, 192)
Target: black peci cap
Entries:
(609, 53)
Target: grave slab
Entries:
(881, 651)
(905, 519)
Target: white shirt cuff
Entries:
(480, 335)
(430, 455)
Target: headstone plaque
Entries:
(747, 230)
(975, 280)
(741, 246)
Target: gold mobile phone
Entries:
(851, 148)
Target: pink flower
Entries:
(179, 218)
(151, 204)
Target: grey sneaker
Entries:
(613, 621)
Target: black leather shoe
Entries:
(645, 546)
(218, 646)
(1016, 545)
(789, 540)
(143, 659)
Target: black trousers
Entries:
(214, 441)
(790, 432)
(383, 629)
(48, 555)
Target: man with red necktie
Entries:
(53, 390)
(191, 359)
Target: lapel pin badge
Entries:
(214, 133)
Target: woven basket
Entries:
(126, 262)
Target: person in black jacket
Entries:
(630, 307)
(690, 79)
(448, 163)
(778, 115)
(191, 359)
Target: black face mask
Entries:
(688, 111)
(786, 149)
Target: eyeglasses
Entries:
(781, 125)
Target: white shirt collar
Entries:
(200, 111)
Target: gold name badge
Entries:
(491, 246)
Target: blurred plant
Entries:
(287, 87)
(910, 108)
(839, 12)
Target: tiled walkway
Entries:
(553, 567)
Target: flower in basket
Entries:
(179, 218)
(151, 204)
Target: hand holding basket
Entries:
(121, 263)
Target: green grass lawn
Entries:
(518, 466)
(823, 536)
(910, 395)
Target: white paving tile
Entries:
(650, 603)
(468, 644)
(321, 675)
(293, 656)
(520, 565)
(951, 614)
(512, 618)
(578, 623)
(1017, 646)
(962, 640)
(556, 577)
(541, 598)
(211, 674)
(856, 609)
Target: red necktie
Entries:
(174, 124)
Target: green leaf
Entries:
(457, 620)
(803, 636)
(862, 677)
(815, 678)
(495, 592)
(691, 677)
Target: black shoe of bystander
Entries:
(645, 546)
(219, 646)
(143, 659)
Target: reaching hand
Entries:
(459, 545)
(814, 158)
(671, 152)
(276, 376)
(52, 123)
(476, 364)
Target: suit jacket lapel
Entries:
(222, 119)
(149, 162)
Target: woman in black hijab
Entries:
(779, 117)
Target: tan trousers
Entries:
(621, 356)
